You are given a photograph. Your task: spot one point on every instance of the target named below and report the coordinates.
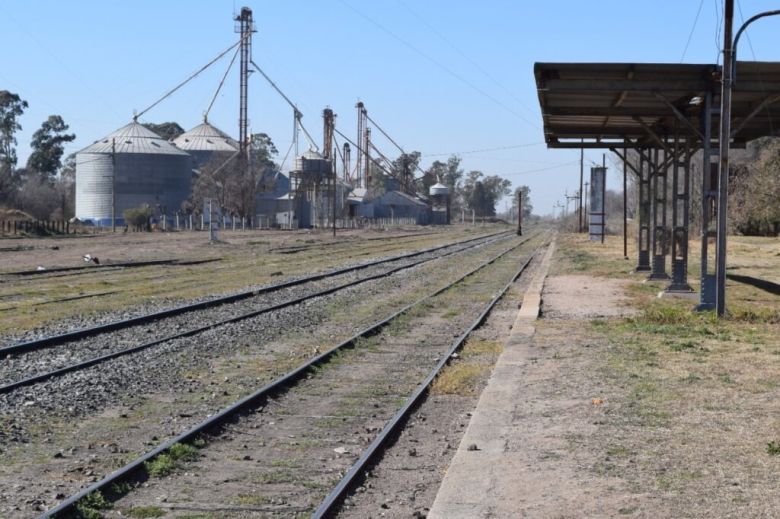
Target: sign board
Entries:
(597, 215)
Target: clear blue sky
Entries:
(441, 76)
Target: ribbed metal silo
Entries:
(206, 143)
(149, 171)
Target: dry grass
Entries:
(246, 259)
(459, 379)
(463, 375)
(694, 400)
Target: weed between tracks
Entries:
(460, 377)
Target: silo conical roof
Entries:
(205, 137)
(133, 138)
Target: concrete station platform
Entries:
(479, 481)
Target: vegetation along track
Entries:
(20, 372)
(244, 265)
(52, 340)
(340, 397)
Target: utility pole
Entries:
(582, 169)
(723, 173)
(113, 185)
(519, 212)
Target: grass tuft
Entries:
(90, 506)
(144, 512)
(773, 448)
(167, 462)
(458, 379)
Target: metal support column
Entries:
(707, 294)
(724, 141)
(680, 210)
(659, 238)
(643, 248)
(625, 208)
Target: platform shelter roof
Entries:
(613, 105)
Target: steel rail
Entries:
(381, 442)
(81, 333)
(42, 377)
(252, 400)
(124, 264)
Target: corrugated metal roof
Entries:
(133, 138)
(206, 137)
(604, 103)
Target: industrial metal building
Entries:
(129, 168)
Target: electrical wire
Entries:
(760, 78)
(474, 63)
(693, 28)
(718, 23)
(538, 170)
(441, 65)
(484, 150)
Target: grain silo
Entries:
(206, 144)
(133, 166)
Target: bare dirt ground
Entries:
(636, 407)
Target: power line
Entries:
(484, 150)
(690, 34)
(718, 22)
(440, 65)
(476, 64)
(544, 169)
(750, 43)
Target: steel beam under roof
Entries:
(606, 103)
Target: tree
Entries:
(37, 197)
(48, 146)
(754, 192)
(404, 167)
(231, 184)
(167, 130)
(11, 108)
(65, 186)
(481, 193)
(527, 206)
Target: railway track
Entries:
(222, 420)
(20, 294)
(61, 364)
(53, 340)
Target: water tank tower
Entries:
(440, 202)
